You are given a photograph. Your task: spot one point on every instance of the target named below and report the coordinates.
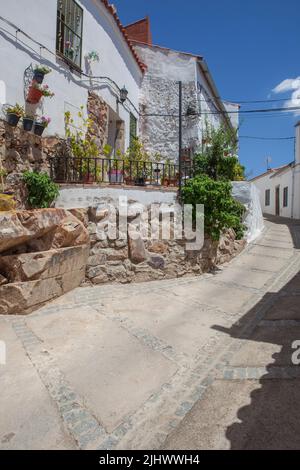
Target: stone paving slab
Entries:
(169, 318)
(105, 364)
(284, 253)
(29, 418)
(245, 277)
(226, 297)
(276, 243)
(264, 263)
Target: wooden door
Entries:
(277, 200)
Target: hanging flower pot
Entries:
(28, 123)
(14, 113)
(41, 125)
(39, 73)
(34, 94)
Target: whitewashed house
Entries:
(159, 102)
(126, 84)
(280, 187)
(67, 36)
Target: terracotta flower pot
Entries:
(89, 179)
(34, 95)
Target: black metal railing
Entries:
(65, 169)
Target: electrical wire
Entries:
(265, 138)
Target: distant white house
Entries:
(280, 187)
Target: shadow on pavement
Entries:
(272, 419)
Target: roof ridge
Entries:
(112, 10)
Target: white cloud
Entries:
(290, 85)
(287, 85)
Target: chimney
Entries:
(297, 143)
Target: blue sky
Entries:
(250, 48)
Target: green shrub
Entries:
(220, 209)
(41, 189)
(218, 158)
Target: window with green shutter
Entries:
(133, 128)
(69, 31)
(267, 197)
(285, 196)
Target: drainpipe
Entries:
(180, 136)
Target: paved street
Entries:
(193, 363)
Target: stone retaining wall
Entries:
(127, 259)
(21, 151)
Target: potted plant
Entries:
(36, 91)
(39, 73)
(69, 50)
(28, 121)
(14, 113)
(41, 124)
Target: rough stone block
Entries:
(137, 251)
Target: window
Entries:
(69, 31)
(267, 197)
(285, 196)
(133, 129)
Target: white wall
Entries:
(159, 95)
(82, 197)
(206, 102)
(100, 32)
(281, 180)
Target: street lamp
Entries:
(123, 94)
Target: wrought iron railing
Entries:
(66, 169)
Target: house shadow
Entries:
(272, 419)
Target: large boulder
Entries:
(32, 266)
(41, 229)
(39, 277)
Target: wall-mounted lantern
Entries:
(123, 95)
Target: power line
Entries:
(265, 138)
(258, 101)
(248, 111)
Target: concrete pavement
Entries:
(164, 364)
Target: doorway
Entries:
(116, 134)
(277, 200)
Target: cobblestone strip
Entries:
(256, 373)
(78, 420)
(280, 323)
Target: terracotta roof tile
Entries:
(112, 11)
